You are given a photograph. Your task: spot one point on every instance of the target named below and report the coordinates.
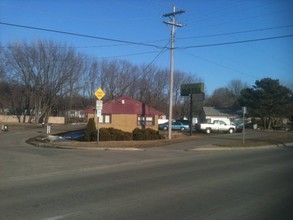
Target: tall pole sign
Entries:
(99, 93)
(192, 88)
(196, 90)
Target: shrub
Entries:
(138, 134)
(90, 133)
(112, 134)
(104, 134)
(145, 134)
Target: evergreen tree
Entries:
(90, 131)
(268, 100)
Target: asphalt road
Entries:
(42, 183)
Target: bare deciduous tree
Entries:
(227, 97)
(46, 70)
(235, 86)
(221, 98)
(90, 79)
(117, 77)
(53, 78)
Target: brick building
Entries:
(127, 114)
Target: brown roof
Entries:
(127, 105)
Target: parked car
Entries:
(249, 125)
(176, 125)
(216, 126)
(185, 122)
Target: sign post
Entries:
(99, 107)
(243, 132)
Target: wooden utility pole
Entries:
(173, 24)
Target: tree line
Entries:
(44, 78)
(267, 101)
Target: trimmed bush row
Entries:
(112, 134)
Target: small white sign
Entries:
(99, 113)
(99, 105)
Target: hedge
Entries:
(113, 134)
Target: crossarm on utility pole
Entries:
(173, 23)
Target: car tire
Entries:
(231, 131)
(208, 130)
(182, 129)
(165, 128)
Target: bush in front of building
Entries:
(145, 134)
(90, 133)
(113, 134)
(104, 134)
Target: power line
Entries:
(237, 32)
(80, 35)
(235, 42)
(201, 36)
(219, 64)
(145, 68)
(126, 55)
(147, 44)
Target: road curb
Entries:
(57, 146)
(214, 148)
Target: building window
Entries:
(105, 119)
(145, 120)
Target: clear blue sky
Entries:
(207, 22)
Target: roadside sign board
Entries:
(244, 111)
(99, 107)
(99, 113)
(99, 104)
(99, 93)
(192, 88)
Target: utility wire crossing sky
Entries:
(222, 40)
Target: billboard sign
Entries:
(193, 88)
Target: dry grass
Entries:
(176, 138)
(271, 138)
(267, 138)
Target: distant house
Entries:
(210, 114)
(75, 114)
(127, 114)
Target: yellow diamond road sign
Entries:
(99, 93)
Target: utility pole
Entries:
(173, 24)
